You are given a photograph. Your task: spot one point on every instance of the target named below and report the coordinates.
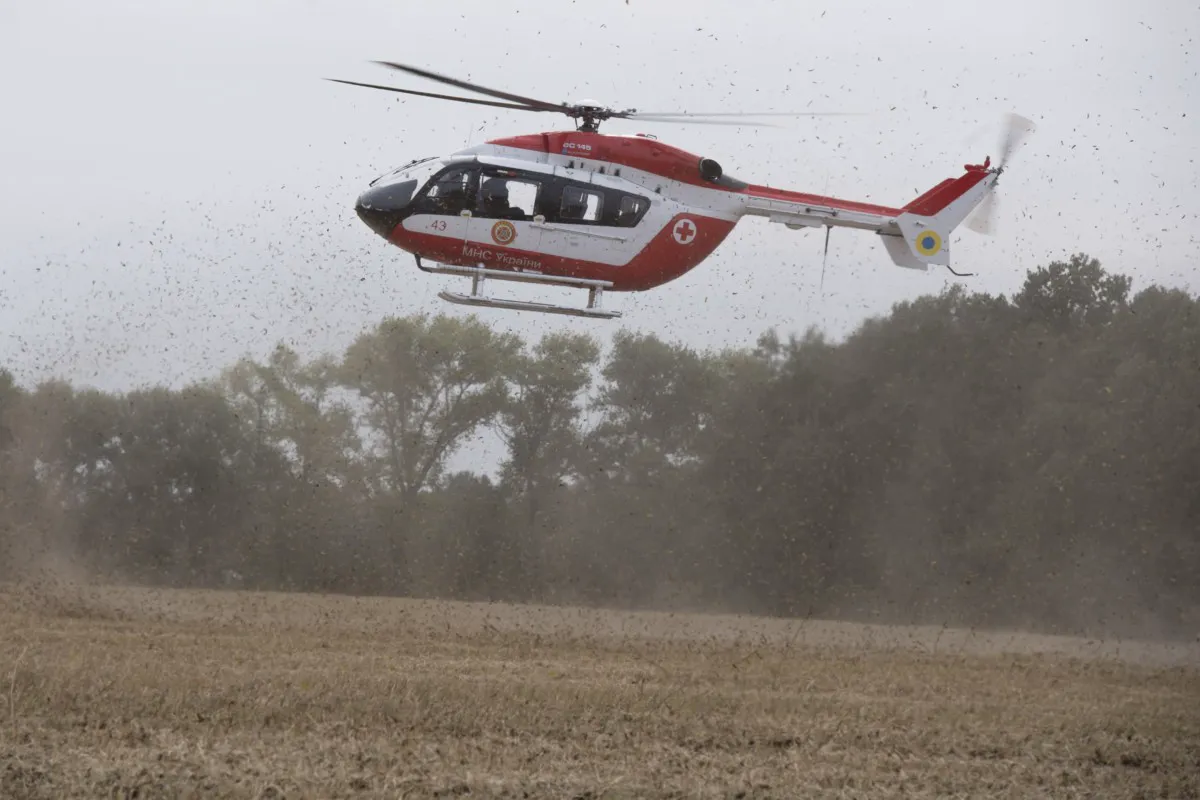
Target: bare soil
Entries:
(121, 692)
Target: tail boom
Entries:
(915, 235)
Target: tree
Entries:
(632, 512)
(653, 405)
(540, 424)
(964, 458)
(292, 407)
(1067, 294)
(427, 385)
(16, 479)
(540, 420)
(469, 556)
(180, 485)
(10, 397)
(310, 475)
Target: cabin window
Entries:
(630, 210)
(507, 197)
(580, 205)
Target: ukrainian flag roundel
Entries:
(928, 243)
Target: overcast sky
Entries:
(178, 181)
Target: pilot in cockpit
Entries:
(493, 200)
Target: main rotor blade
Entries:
(540, 105)
(691, 121)
(686, 114)
(440, 96)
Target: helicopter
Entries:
(622, 213)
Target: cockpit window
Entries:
(451, 193)
(420, 168)
(389, 196)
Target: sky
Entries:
(178, 180)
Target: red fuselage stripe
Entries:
(662, 260)
(945, 193)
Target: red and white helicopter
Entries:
(600, 212)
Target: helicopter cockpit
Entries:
(383, 203)
(490, 190)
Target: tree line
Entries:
(1030, 461)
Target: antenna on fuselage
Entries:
(825, 258)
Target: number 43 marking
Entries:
(438, 225)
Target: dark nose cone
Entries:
(382, 207)
(381, 221)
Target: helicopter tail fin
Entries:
(925, 224)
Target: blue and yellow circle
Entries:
(928, 243)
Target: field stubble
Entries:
(124, 692)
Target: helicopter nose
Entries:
(382, 207)
(382, 222)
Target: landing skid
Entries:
(477, 298)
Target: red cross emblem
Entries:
(684, 231)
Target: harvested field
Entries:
(117, 692)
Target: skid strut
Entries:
(479, 275)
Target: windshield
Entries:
(419, 170)
(391, 193)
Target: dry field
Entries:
(110, 692)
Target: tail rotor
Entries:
(1017, 128)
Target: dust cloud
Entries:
(970, 461)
